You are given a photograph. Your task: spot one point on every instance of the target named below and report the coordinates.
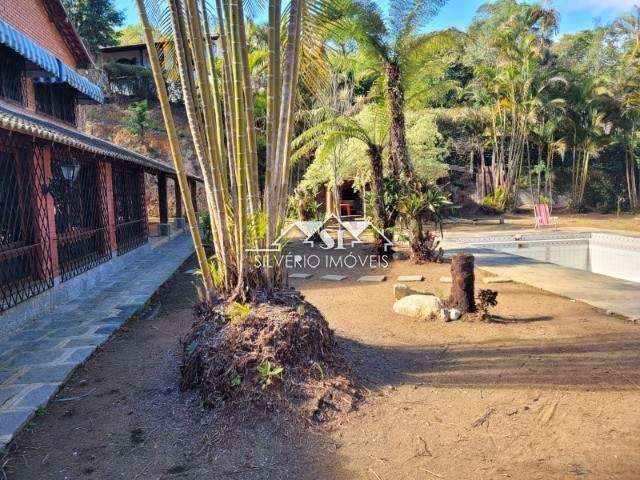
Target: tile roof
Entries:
(30, 124)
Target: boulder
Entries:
(454, 314)
(444, 314)
(418, 306)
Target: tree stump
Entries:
(462, 283)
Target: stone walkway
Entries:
(35, 361)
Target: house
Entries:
(135, 54)
(70, 203)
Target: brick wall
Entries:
(31, 18)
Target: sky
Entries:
(575, 15)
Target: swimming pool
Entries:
(616, 256)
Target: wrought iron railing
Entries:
(25, 256)
(79, 194)
(12, 85)
(130, 211)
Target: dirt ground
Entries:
(550, 392)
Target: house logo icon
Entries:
(331, 234)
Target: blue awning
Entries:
(19, 42)
(80, 83)
(26, 47)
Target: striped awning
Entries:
(80, 83)
(19, 42)
(60, 71)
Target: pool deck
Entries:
(613, 295)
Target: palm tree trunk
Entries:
(176, 154)
(377, 175)
(274, 89)
(399, 153)
(279, 175)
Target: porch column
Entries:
(144, 215)
(106, 176)
(164, 228)
(50, 209)
(193, 188)
(179, 215)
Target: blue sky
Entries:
(575, 15)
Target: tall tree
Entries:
(219, 106)
(392, 42)
(96, 21)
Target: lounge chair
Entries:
(543, 217)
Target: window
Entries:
(57, 100)
(79, 195)
(25, 259)
(11, 75)
(131, 218)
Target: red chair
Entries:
(543, 216)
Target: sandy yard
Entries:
(550, 392)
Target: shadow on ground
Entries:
(590, 363)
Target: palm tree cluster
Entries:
(220, 99)
(521, 107)
(333, 90)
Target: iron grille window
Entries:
(57, 100)
(131, 217)
(79, 196)
(11, 75)
(25, 256)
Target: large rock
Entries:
(418, 306)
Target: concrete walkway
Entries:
(35, 361)
(618, 296)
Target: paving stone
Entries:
(7, 373)
(7, 392)
(372, 278)
(93, 341)
(69, 332)
(37, 357)
(12, 420)
(302, 276)
(26, 335)
(44, 344)
(119, 319)
(333, 278)
(79, 355)
(410, 278)
(446, 279)
(45, 373)
(107, 329)
(128, 310)
(38, 396)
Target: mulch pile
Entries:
(226, 356)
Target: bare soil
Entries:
(552, 391)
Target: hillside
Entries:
(109, 121)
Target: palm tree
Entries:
(625, 88)
(219, 107)
(370, 128)
(588, 103)
(512, 81)
(394, 46)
